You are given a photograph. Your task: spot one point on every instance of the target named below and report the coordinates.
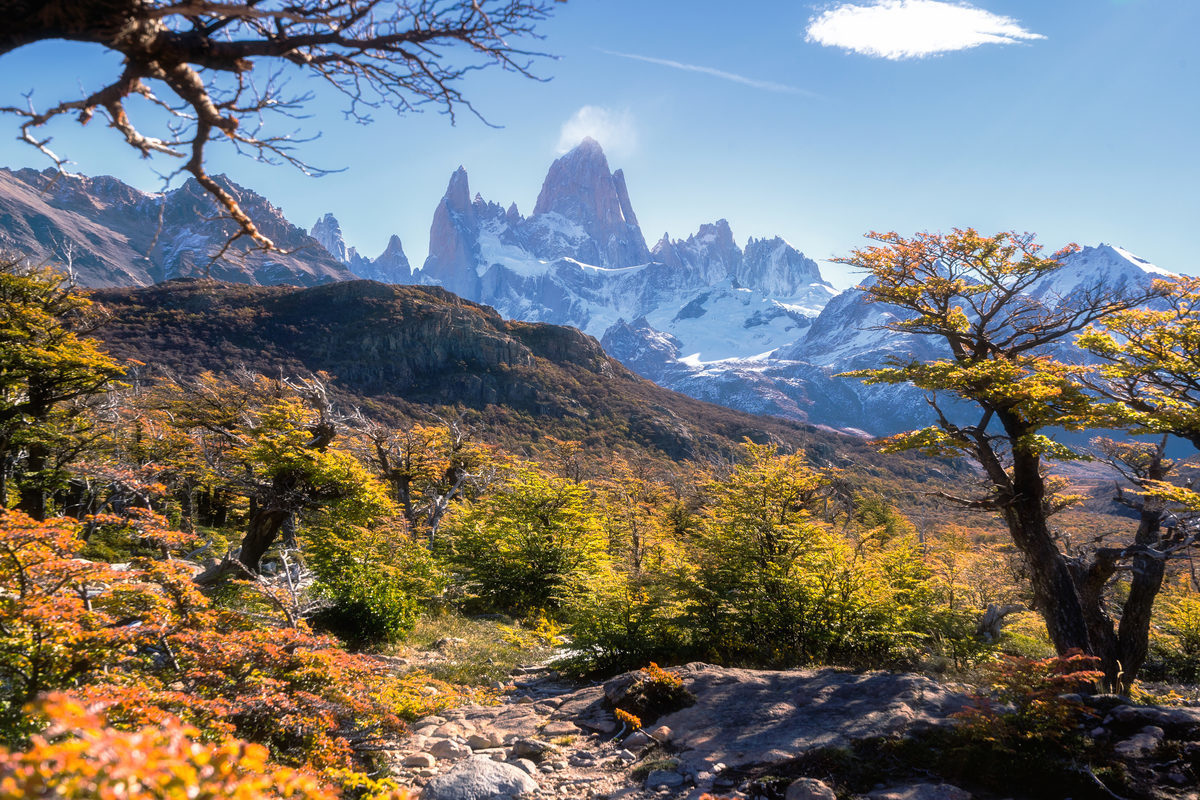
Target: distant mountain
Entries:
(580, 259)
(391, 266)
(110, 234)
(754, 328)
(799, 380)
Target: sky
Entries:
(818, 122)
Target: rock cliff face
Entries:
(328, 231)
(110, 234)
(453, 240)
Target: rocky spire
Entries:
(580, 188)
(454, 240)
(776, 268)
(328, 232)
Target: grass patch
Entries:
(476, 651)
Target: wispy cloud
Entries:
(900, 29)
(769, 86)
(614, 130)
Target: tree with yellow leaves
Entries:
(972, 293)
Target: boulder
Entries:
(662, 777)
(479, 778)
(482, 741)
(533, 749)
(809, 789)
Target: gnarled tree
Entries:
(193, 64)
(1003, 360)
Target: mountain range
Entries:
(755, 328)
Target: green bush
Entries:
(621, 623)
(375, 579)
(532, 544)
(776, 586)
(1175, 643)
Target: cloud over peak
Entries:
(614, 130)
(901, 29)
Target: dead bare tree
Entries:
(191, 63)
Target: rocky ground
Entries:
(551, 738)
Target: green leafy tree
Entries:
(376, 576)
(970, 293)
(48, 368)
(775, 585)
(530, 544)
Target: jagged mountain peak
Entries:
(458, 190)
(328, 231)
(1105, 266)
(580, 188)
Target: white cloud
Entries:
(769, 86)
(899, 29)
(614, 130)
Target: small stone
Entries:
(636, 740)
(1141, 744)
(662, 777)
(560, 729)
(527, 765)
(533, 749)
(449, 731)
(661, 734)
(423, 760)
(625, 755)
(427, 772)
(449, 749)
(809, 789)
(480, 741)
(921, 791)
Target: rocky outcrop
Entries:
(774, 267)
(391, 266)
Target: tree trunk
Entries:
(1133, 636)
(1053, 587)
(33, 493)
(260, 535)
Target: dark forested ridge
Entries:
(408, 350)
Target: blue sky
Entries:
(1077, 119)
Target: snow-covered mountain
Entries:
(580, 259)
(755, 328)
(799, 380)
